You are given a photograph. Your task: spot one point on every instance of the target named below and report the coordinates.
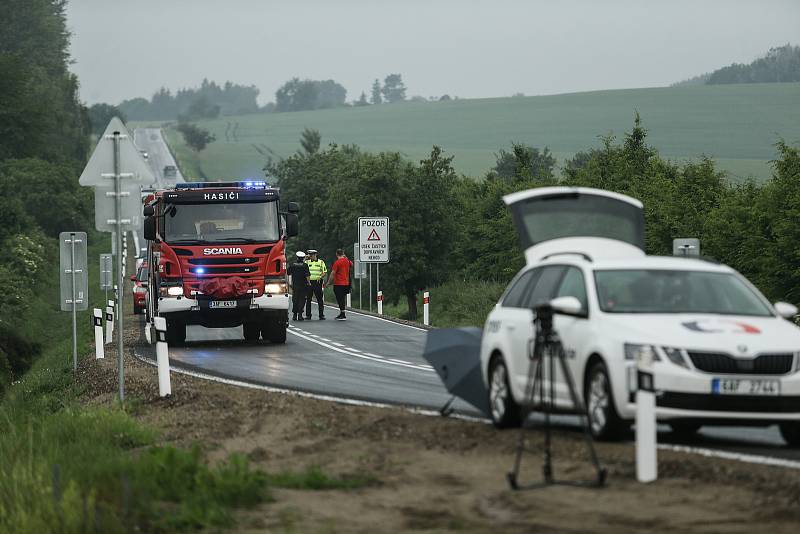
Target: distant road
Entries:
(152, 141)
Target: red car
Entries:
(140, 288)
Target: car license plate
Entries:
(222, 304)
(746, 386)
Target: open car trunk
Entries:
(549, 213)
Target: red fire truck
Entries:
(217, 257)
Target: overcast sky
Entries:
(470, 48)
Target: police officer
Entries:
(300, 283)
(318, 270)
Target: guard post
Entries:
(99, 353)
(162, 357)
(426, 299)
(646, 461)
(109, 321)
(380, 302)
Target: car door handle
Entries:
(510, 327)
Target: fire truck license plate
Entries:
(222, 304)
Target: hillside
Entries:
(735, 124)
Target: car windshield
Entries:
(221, 223)
(144, 272)
(671, 291)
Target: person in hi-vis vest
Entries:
(318, 270)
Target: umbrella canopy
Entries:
(455, 355)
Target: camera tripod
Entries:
(546, 350)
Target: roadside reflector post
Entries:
(646, 461)
(426, 300)
(380, 302)
(99, 353)
(162, 357)
(109, 321)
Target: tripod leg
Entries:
(547, 466)
(534, 378)
(581, 407)
(446, 409)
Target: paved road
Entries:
(158, 156)
(367, 358)
(363, 358)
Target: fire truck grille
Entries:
(223, 261)
(224, 270)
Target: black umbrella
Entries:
(455, 355)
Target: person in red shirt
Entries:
(340, 274)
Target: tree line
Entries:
(780, 64)
(44, 142)
(447, 227)
(210, 100)
(205, 102)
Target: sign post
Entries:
(117, 208)
(373, 247)
(359, 270)
(74, 281)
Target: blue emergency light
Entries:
(250, 184)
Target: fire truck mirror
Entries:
(293, 207)
(291, 225)
(150, 228)
(149, 211)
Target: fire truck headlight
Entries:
(172, 291)
(275, 288)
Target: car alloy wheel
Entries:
(598, 403)
(504, 410)
(604, 422)
(498, 393)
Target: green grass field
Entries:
(737, 125)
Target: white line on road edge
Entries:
(329, 398)
(362, 356)
(741, 457)
(379, 319)
(744, 458)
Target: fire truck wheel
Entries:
(251, 331)
(176, 333)
(275, 333)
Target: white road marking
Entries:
(329, 398)
(739, 456)
(358, 355)
(380, 319)
(353, 350)
(337, 344)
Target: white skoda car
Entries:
(722, 353)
